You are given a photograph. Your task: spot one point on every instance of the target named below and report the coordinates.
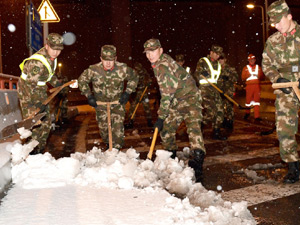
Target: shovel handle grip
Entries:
(149, 156)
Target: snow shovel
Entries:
(230, 99)
(108, 120)
(130, 124)
(72, 84)
(30, 121)
(149, 156)
(293, 85)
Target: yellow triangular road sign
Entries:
(47, 12)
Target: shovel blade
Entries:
(12, 129)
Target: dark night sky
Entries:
(188, 27)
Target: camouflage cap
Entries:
(108, 52)
(222, 56)
(55, 41)
(151, 44)
(217, 49)
(179, 58)
(277, 10)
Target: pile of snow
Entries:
(81, 175)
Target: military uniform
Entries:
(180, 60)
(212, 101)
(37, 70)
(226, 83)
(281, 59)
(107, 86)
(144, 81)
(61, 112)
(180, 101)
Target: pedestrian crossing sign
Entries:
(47, 12)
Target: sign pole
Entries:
(45, 31)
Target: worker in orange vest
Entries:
(252, 74)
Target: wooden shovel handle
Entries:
(149, 156)
(285, 85)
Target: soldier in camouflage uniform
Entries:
(212, 102)
(180, 60)
(281, 63)
(226, 82)
(180, 101)
(107, 78)
(37, 70)
(144, 81)
(61, 112)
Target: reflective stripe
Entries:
(253, 74)
(41, 83)
(24, 76)
(252, 103)
(205, 82)
(214, 74)
(43, 60)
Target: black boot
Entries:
(246, 116)
(173, 156)
(229, 124)
(293, 173)
(224, 124)
(217, 135)
(197, 164)
(149, 123)
(129, 125)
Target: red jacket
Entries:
(257, 74)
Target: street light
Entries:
(267, 21)
(59, 68)
(251, 6)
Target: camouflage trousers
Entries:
(61, 111)
(212, 106)
(228, 108)
(287, 106)
(41, 132)
(145, 102)
(117, 115)
(189, 111)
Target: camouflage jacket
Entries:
(144, 78)
(281, 52)
(175, 84)
(28, 90)
(107, 85)
(227, 79)
(202, 66)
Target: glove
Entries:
(225, 78)
(92, 101)
(205, 73)
(58, 84)
(159, 124)
(124, 98)
(42, 107)
(283, 80)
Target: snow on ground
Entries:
(111, 188)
